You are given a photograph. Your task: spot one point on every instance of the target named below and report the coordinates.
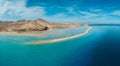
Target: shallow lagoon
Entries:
(100, 47)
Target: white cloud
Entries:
(59, 17)
(86, 17)
(71, 10)
(96, 10)
(117, 13)
(18, 8)
(88, 14)
(3, 7)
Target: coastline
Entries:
(21, 34)
(61, 39)
(15, 33)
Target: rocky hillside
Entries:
(32, 25)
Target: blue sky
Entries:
(61, 10)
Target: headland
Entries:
(21, 26)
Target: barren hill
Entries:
(32, 25)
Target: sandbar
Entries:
(61, 39)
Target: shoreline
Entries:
(21, 34)
(61, 39)
(25, 33)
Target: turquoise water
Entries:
(100, 47)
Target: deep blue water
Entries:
(100, 47)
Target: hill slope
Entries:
(32, 25)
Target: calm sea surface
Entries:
(100, 47)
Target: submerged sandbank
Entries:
(62, 39)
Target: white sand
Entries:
(22, 34)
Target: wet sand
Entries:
(22, 34)
(62, 39)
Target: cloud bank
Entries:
(17, 9)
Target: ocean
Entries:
(100, 47)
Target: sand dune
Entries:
(62, 39)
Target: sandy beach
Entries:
(61, 39)
(22, 34)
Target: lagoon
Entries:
(100, 47)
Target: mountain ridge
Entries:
(32, 25)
